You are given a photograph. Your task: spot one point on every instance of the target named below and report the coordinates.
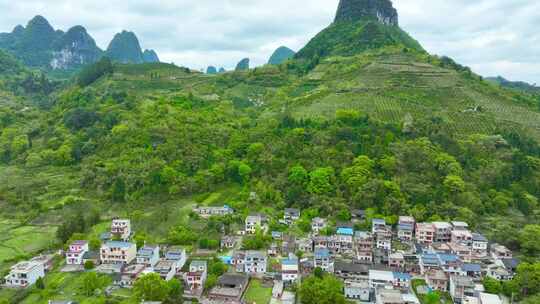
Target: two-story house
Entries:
(121, 229)
(254, 222)
(228, 242)
(148, 255)
(289, 270)
(24, 274)
(461, 287)
(115, 252)
(176, 255)
(255, 262)
(479, 244)
(323, 259)
(317, 225)
(425, 233)
(406, 228)
(75, 253)
(196, 277)
(166, 269)
(443, 232)
(291, 215)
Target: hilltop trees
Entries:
(93, 72)
(321, 289)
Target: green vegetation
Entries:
(93, 72)
(257, 293)
(435, 297)
(351, 38)
(321, 289)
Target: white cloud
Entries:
(197, 33)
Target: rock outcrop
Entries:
(243, 65)
(125, 48)
(357, 10)
(150, 56)
(74, 49)
(211, 70)
(281, 55)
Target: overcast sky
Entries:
(491, 36)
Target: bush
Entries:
(93, 72)
(88, 265)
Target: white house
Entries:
(166, 269)
(289, 270)
(255, 262)
(317, 224)
(196, 277)
(121, 229)
(75, 253)
(148, 255)
(176, 255)
(479, 244)
(323, 259)
(254, 222)
(379, 278)
(291, 215)
(114, 252)
(358, 291)
(24, 274)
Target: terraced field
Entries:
(393, 87)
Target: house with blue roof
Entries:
(148, 255)
(472, 270)
(345, 231)
(323, 259)
(289, 270)
(402, 280)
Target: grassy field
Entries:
(18, 240)
(257, 294)
(444, 296)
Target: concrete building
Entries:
(75, 253)
(121, 229)
(24, 274)
(115, 252)
(148, 255)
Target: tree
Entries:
(175, 292)
(40, 284)
(321, 290)
(432, 298)
(321, 181)
(492, 285)
(151, 287)
(454, 184)
(529, 239)
(91, 281)
(90, 73)
(244, 171)
(88, 265)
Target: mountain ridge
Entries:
(40, 45)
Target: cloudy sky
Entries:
(491, 36)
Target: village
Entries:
(385, 264)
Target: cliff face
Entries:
(358, 10)
(125, 48)
(74, 49)
(150, 56)
(281, 55)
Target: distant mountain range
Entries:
(517, 85)
(40, 45)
